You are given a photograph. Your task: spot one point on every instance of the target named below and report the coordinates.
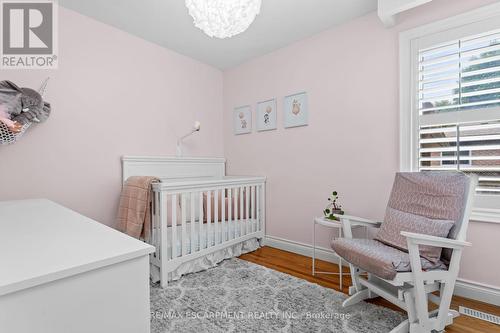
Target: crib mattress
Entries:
(231, 231)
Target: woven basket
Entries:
(7, 137)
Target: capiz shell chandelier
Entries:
(223, 18)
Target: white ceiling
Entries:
(167, 23)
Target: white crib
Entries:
(200, 216)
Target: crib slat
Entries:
(183, 223)
(191, 200)
(216, 217)
(200, 222)
(209, 218)
(257, 207)
(154, 224)
(242, 211)
(162, 239)
(223, 236)
(152, 220)
(252, 207)
(159, 216)
(263, 209)
(236, 211)
(229, 213)
(247, 211)
(256, 216)
(174, 226)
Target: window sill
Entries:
(485, 215)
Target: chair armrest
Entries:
(355, 220)
(421, 239)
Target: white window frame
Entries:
(487, 206)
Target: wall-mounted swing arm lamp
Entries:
(196, 128)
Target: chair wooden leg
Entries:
(446, 293)
(355, 277)
(410, 306)
(419, 293)
(357, 291)
(356, 298)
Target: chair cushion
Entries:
(433, 194)
(436, 195)
(377, 258)
(396, 221)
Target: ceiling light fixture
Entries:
(223, 18)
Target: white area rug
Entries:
(239, 296)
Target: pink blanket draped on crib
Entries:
(134, 209)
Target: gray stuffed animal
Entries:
(21, 106)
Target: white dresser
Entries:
(61, 272)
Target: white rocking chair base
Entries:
(358, 297)
(413, 290)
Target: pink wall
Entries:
(113, 94)
(351, 144)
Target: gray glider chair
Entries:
(417, 249)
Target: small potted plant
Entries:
(333, 208)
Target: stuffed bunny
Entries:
(21, 106)
(13, 126)
(9, 99)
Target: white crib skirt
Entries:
(211, 260)
(207, 236)
(232, 230)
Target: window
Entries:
(459, 81)
(450, 100)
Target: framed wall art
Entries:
(295, 110)
(266, 115)
(242, 120)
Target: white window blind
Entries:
(459, 108)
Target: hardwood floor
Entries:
(300, 266)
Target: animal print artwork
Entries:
(266, 119)
(266, 115)
(243, 120)
(296, 107)
(296, 111)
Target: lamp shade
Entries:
(223, 18)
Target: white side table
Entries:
(329, 224)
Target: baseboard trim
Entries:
(464, 288)
(301, 248)
(478, 291)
